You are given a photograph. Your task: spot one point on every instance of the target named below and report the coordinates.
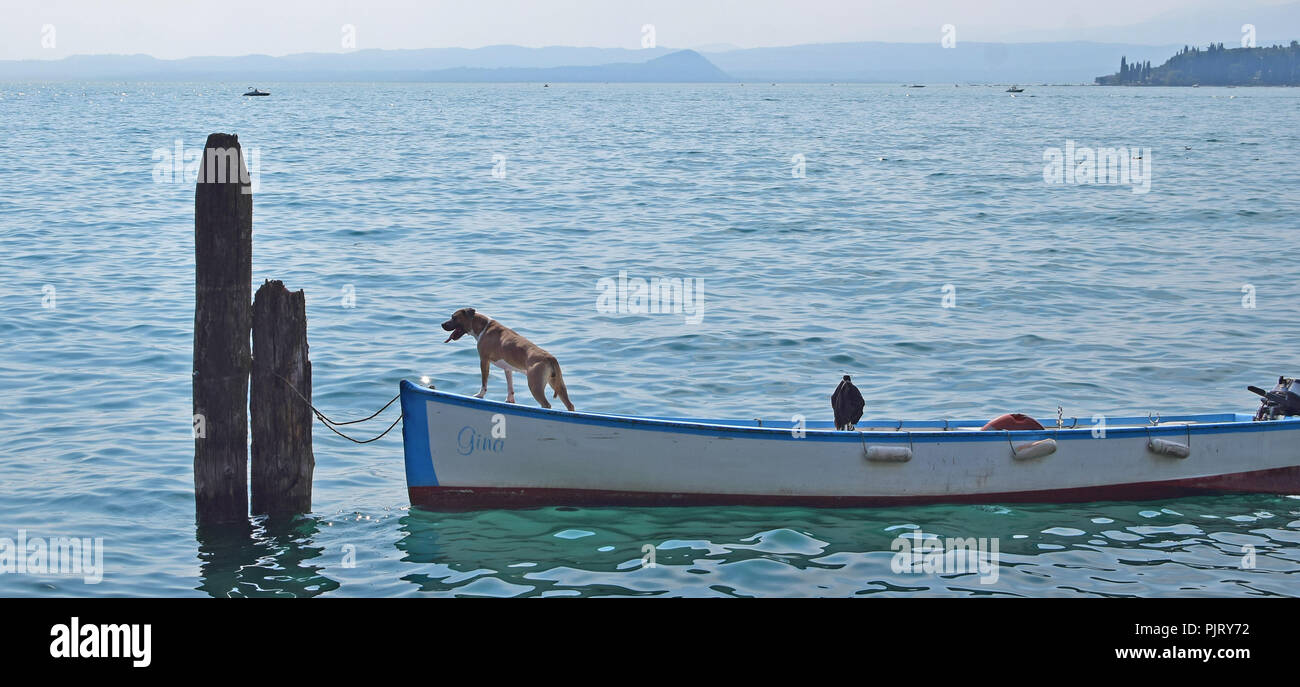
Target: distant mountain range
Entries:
(1068, 62)
(495, 64)
(1073, 62)
(1193, 22)
(683, 66)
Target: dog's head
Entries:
(461, 321)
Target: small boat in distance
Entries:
(1015, 89)
(456, 459)
(254, 91)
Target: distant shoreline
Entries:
(1277, 65)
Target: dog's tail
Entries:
(557, 385)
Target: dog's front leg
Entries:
(510, 379)
(483, 367)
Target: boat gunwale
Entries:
(1176, 425)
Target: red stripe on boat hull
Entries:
(1275, 481)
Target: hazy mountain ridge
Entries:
(1070, 62)
(929, 62)
(683, 66)
(350, 66)
(1194, 24)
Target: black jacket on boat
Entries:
(847, 403)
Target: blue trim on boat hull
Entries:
(783, 433)
(415, 437)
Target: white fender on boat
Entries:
(1035, 449)
(1165, 447)
(889, 454)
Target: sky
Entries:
(52, 29)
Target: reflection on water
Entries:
(1214, 545)
(264, 557)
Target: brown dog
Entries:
(504, 347)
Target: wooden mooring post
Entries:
(226, 317)
(282, 421)
(223, 275)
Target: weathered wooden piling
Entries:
(281, 419)
(223, 275)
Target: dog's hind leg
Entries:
(510, 386)
(557, 384)
(537, 375)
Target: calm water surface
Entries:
(1093, 298)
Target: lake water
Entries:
(915, 245)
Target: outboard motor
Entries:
(1282, 401)
(847, 403)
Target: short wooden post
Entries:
(281, 419)
(223, 275)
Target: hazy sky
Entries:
(182, 28)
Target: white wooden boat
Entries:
(465, 453)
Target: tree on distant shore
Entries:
(1276, 65)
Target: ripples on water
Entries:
(1088, 297)
(1193, 547)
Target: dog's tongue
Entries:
(456, 334)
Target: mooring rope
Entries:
(363, 441)
(331, 423)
